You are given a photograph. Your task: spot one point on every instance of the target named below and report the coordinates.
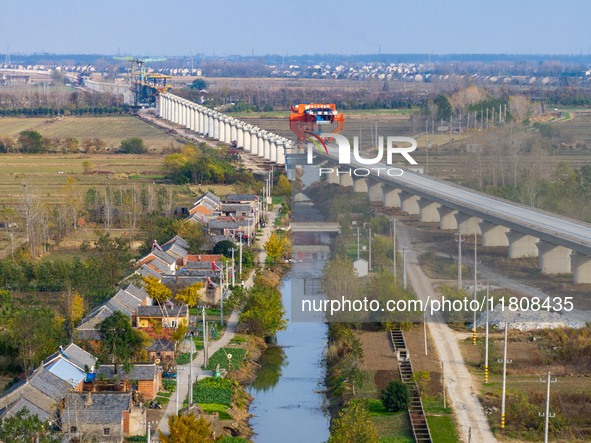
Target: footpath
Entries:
(229, 332)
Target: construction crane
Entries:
(81, 76)
(311, 117)
(141, 85)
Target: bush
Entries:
(396, 396)
(133, 145)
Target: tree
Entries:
(26, 427)
(156, 289)
(353, 424)
(87, 167)
(191, 232)
(283, 187)
(395, 396)
(263, 312)
(223, 247)
(36, 332)
(133, 145)
(187, 429)
(444, 110)
(189, 295)
(111, 258)
(339, 279)
(276, 246)
(199, 84)
(422, 379)
(76, 309)
(32, 142)
(119, 341)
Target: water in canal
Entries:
(288, 399)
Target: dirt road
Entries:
(458, 381)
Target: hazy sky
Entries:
(227, 27)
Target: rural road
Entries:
(183, 385)
(458, 381)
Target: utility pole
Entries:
(204, 336)
(504, 361)
(443, 385)
(233, 268)
(370, 247)
(357, 242)
(459, 234)
(240, 263)
(394, 220)
(149, 439)
(547, 414)
(404, 268)
(475, 286)
(191, 374)
(425, 329)
(486, 336)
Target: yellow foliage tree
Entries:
(187, 429)
(156, 289)
(275, 246)
(189, 295)
(76, 309)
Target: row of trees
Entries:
(58, 101)
(33, 142)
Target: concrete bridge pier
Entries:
(428, 211)
(521, 245)
(493, 234)
(265, 152)
(233, 130)
(409, 203)
(281, 147)
(376, 193)
(392, 198)
(553, 259)
(581, 265)
(246, 138)
(360, 185)
(240, 135)
(447, 218)
(345, 179)
(273, 149)
(254, 141)
(200, 124)
(332, 178)
(193, 119)
(216, 125)
(210, 124)
(467, 224)
(228, 128)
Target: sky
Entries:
(245, 27)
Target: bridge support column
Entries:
(246, 134)
(581, 265)
(193, 119)
(345, 178)
(210, 124)
(521, 245)
(409, 203)
(333, 178)
(273, 149)
(428, 211)
(493, 235)
(254, 141)
(185, 115)
(166, 107)
(467, 224)
(265, 139)
(553, 259)
(234, 131)
(199, 120)
(175, 111)
(240, 135)
(281, 147)
(376, 193)
(161, 106)
(228, 127)
(392, 198)
(360, 185)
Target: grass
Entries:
(394, 428)
(443, 429)
(110, 129)
(222, 410)
(220, 358)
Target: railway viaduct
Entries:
(562, 245)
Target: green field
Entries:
(110, 129)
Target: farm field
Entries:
(110, 129)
